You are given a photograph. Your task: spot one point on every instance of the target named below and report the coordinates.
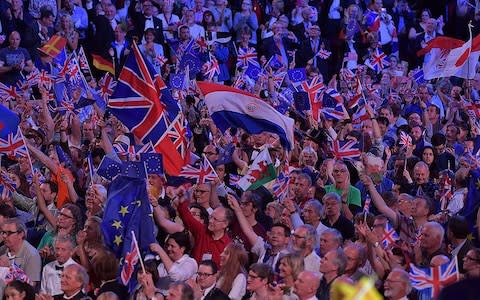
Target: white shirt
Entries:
(333, 13)
(456, 203)
(196, 31)
(457, 249)
(260, 250)
(148, 23)
(312, 262)
(181, 270)
(385, 31)
(50, 284)
(239, 287)
(173, 19)
(113, 23)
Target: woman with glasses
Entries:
(232, 279)
(176, 264)
(259, 277)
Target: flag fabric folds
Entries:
(230, 107)
(260, 172)
(432, 280)
(346, 149)
(54, 45)
(102, 64)
(204, 173)
(128, 209)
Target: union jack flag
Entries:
(32, 77)
(323, 53)
(246, 56)
(129, 262)
(359, 116)
(7, 186)
(211, 68)
(179, 135)
(233, 180)
(16, 273)
(160, 60)
(434, 279)
(204, 173)
(200, 45)
(372, 21)
(142, 102)
(13, 145)
(133, 152)
(377, 61)
(405, 139)
(334, 94)
(313, 89)
(357, 95)
(45, 80)
(337, 112)
(345, 149)
(346, 74)
(278, 78)
(390, 236)
(9, 92)
(107, 86)
(280, 186)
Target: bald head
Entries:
(307, 284)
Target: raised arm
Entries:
(378, 200)
(44, 159)
(244, 225)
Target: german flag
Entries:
(54, 46)
(103, 64)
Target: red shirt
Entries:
(204, 242)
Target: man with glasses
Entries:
(259, 277)
(312, 214)
(17, 250)
(350, 195)
(206, 280)
(146, 20)
(397, 285)
(334, 218)
(201, 196)
(303, 242)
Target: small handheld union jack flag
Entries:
(405, 139)
(13, 145)
(130, 261)
(211, 68)
(7, 186)
(107, 86)
(16, 273)
(434, 279)
(246, 56)
(323, 53)
(377, 61)
(204, 173)
(390, 236)
(346, 149)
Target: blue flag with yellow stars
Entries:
(472, 201)
(128, 209)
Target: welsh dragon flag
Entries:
(260, 172)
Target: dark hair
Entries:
(182, 239)
(151, 267)
(263, 271)
(203, 212)
(428, 203)
(45, 13)
(438, 139)
(458, 226)
(150, 30)
(53, 186)
(77, 215)
(187, 291)
(21, 287)
(7, 211)
(383, 120)
(210, 263)
(105, 266)
(286, 229)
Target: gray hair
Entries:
(331, 195)
(437, 228)
(19, 225)
(80, 274)
(64, 239)
(336, 235)
(316, 205)
(340, 260)
(311, 233)
(405, 278)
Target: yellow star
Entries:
(123, 210)
(117, 224)
(470, 237)
(478, 184)
(118, 240)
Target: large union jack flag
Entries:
(345, 149)
(246, 56)
(390, 236)
(9, 92)
(211, 68)
(204, 173)
(142, 102)
(280, 187)
(434, 279)
(313, 88)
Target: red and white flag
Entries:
(451, 57)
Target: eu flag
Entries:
(472, 201)
(8, 121)
(127, 210)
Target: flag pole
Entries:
(28, 152)
(138, 250)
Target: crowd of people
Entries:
(407, 199)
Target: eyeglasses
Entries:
(472, 258)
(339, 171)
(298, 236)
(215, 219)
(200, 274)
(253, 276)
(7, 233)
(65, 215)
(209, 153)
(200, 191)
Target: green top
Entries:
(47, 239)
(353, 196)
